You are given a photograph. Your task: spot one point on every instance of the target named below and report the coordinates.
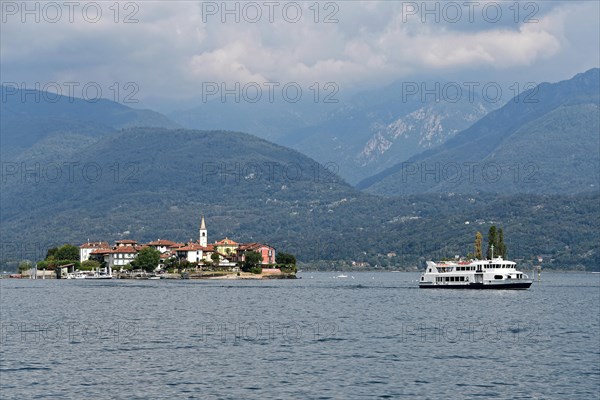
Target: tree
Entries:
(285, 258)
(90, 265)
(501, 246)
(50, 254)
(215, 259)
(496, 238)
(492, 241)
(64, 252)
(478, 241)
(24, 265)
(252, 262)
(147, 259)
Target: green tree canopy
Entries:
(215, 258)
(147, 259)
(285, 258)
(492, 241)
(64, 252)
(24, 266)
(501, 246)
(90, 265)
(252, 261)
(478, 242)
(496, 238)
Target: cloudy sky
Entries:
(169, 49)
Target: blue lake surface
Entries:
(371, 335)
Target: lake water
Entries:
(371, 335)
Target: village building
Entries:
(122, 256)
(192, 252)
(267, 252)
(164, 246)
(226, 246)
(87, 248)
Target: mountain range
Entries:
(107, 171)
(546, 140)
(358, 135)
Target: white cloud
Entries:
(172, 50)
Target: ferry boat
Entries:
(477, 274)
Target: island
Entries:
(164, 259)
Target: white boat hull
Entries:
(524, 284)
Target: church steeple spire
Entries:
(203, 233)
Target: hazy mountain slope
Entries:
(30, 116)
(378, 129)
(357, 136)
(522, 147)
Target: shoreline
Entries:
(251, 276)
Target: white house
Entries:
(193, 252)
(87, 248)
(163, 245)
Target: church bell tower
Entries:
(203, 234)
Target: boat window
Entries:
(497, 276)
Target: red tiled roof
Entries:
(253, 246)
(162, 242)
(94, 245)
(226, 241)
(102, 251)
(126, 241)
(190, 247)
(124, 249)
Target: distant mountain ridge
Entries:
(359, 135)
(549, 145)
(376, 129)
(31, 116)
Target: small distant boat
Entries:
(342, 276)
(99, 276)
(154, 277)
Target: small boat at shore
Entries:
(476, 274)
(84, 275)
